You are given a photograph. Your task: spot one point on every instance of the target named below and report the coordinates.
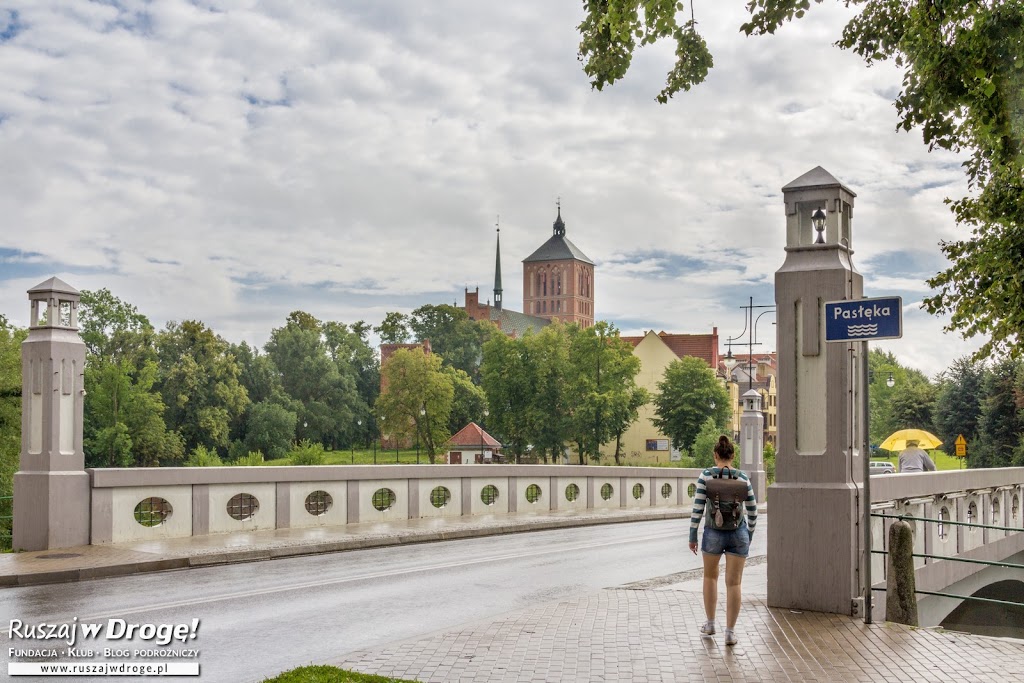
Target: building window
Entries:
(558, 283)
(544, 289)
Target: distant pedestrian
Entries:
(722, 495)
(913, 459)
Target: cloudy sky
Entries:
(234, 160)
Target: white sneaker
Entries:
(708, 629)
(730, 637)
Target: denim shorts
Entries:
(731, 542)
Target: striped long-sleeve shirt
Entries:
(700, 499)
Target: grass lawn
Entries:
(330, 674)
(365, 457)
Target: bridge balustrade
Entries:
(156, 503)
(963, 522)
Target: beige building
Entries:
(643, 442)
(758, 372)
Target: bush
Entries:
(307, 453)
(251, 459)
(704, 445)
(769, 463)
(202, 457)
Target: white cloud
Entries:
(233, 161)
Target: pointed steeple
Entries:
(558, 228)
(497, 267)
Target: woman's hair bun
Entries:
(724, 448)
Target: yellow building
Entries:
(643, 442)
(756, 372)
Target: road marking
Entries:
(366, 577)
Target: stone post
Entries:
(813, 540)
(51, 487)
(752, 443)
(900, 595)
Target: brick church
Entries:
(558, 284)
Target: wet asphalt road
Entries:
(261, 618)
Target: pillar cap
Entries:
(816, 178)
(54, 286)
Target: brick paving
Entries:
(648, 632)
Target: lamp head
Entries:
(818, 221)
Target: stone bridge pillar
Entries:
(813, 537)
(51, 487)
(752, 443)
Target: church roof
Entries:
(558, 247)
(516, 324)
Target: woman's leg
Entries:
(711, 563)
(733, 576)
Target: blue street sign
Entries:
(864, 319)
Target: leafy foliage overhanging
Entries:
(963, 86)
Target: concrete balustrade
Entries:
(158, 503)
(988, 496)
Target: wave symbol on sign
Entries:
(862, 330)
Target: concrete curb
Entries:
(332, 546)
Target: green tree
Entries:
(963, 86)
(907, 404)
(704, 443)
(1000, 424)
(349, 348)
(602, 383)
(549, 405)
(270, 429)
(10, 409)
(452, 334)
(958, 404)
(689, 394)
(325, 387)
(468, 401)
(394, 329)
(199, 383)
(418, 400)
(507, 377)
(124, 421)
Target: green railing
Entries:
(6, 520)
(929, 556)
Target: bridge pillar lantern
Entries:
(752, 442)
(813, 536)
(51, 487)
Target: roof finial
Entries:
(497, 265)
(559, 225)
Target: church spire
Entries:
(497, 267)
(558, 228)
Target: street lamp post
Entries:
(486, 413)
(423, 414)
(380, 433)
(359, 424)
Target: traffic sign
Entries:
(961, 446)
(864, 319)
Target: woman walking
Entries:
(722, 493)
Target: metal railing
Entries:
(6, 521)
(930, 556)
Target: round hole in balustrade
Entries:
(638, 491)
(384, 499)
(243, 506)
(572, 492)
(318, 503)
(606, 491)
(533, 493)
(440, 496)
(489, 494)
(152, 511)
(666, 490)
(691, 490)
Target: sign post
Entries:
(860, 320)
(961, 449)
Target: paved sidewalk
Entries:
(648, 632)
(99, 561)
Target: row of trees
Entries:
(983, 401)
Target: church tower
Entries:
(558, 280)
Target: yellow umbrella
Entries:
(897, 441)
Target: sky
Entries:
(234, 160)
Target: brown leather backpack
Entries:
(726, 496)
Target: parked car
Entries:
(883, 467)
